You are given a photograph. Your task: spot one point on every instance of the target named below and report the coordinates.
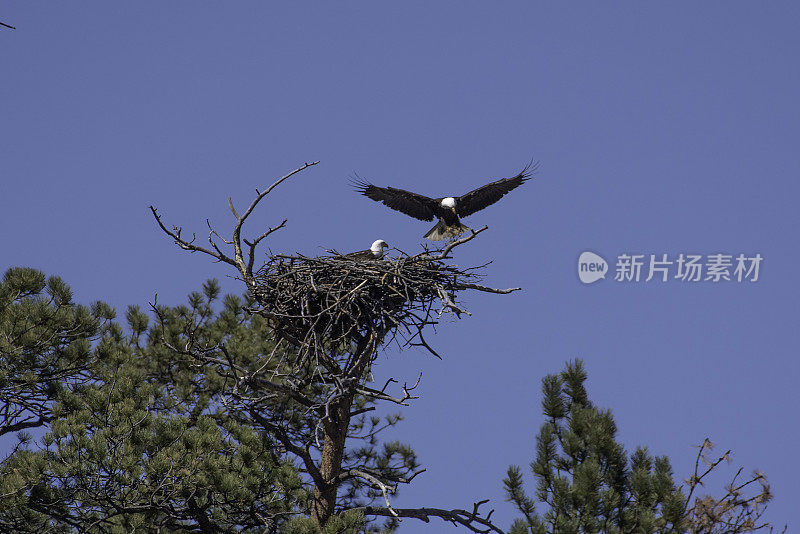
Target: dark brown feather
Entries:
(363, 255)
(487, 195)
(412, 204)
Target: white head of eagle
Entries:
(377, 248)
(449, 202)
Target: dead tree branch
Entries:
(739, 510)
(472, 520)
(244, 266)
(442, 254)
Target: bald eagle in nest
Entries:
(447, 209)
(375, 252)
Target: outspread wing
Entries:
(412, 204)
(487, 195)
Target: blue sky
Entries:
(660, 128)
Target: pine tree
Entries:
(142, 441)
(45, 346)
(587, 483)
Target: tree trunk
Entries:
(335, 428)
(334, 435)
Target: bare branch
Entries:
(423, 343)
(24, 424)
(238, 261)
(175, 234)
(247, 269)
(375, 482)
(252, 253)
(382, 395)
(485, 289)
(443, 254)
(448, 304)
(257, 240)
(233, 210)
(734, 512)
(472, 520)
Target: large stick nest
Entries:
(325, 302)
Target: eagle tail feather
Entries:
(442, 231)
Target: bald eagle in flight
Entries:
(375, 252)
(447, 209)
